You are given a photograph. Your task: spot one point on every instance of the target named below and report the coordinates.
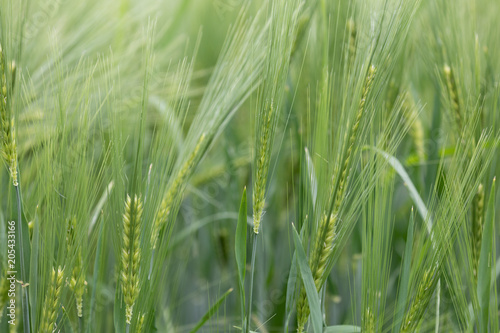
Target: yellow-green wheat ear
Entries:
(420, 301)
(417, 128)
(131, 254)
(77, 278)
(51, 303)
(453, 95)
(368, 321)
(323, 246)
(477, 226)
(351, 28)
(9, 147)
(339, 195)
(263, 158)
(140, 323)
(174, 190)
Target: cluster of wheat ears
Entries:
(366, 132)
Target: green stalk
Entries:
(80, 324)
(252, 274)
(24, 291)
(151, 264)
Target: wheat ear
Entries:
(327, 229)
(140, 323)
(131, 254)
(318, 263)
(174, 190)
(9, 147)
(77, 278)
(262, 170)
(454, 95)
(51, 303)
(368, 321)
(324, 244)
(351, 28)
(417, 128)
(421, 301)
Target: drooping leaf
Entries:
(415, 196)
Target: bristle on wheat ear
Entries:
(131, 254)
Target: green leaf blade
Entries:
(240, 249)
(211, 311)
(307, 279)
(241, 238)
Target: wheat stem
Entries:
(252, 275)
(477, 227)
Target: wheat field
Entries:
(249, 166)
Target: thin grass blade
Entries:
(211, 311)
